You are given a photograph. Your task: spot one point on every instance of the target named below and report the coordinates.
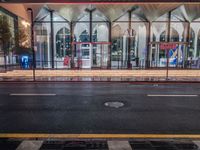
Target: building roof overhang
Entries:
(71, 11)
(99, 1)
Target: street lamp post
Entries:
(32, 43)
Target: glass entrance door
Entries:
(83, 55)
(91, 55)
(100, 55)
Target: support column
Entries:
(129, 42)
(32, 43)
(148, 47)
(110, 46)
(71, 45)
(52, 38)
(91, 49)
(169, 27)
(168, 40)
(90, 28)
(188, 46)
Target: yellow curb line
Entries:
(100, 136)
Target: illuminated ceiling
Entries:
(148, 12)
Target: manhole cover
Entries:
(114, 104)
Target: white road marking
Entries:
(119, 145)
(30, 145)
(32, 94)
(171, 95)
(197, 143)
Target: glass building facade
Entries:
(14, 38)
(11, 23)
(100, 36)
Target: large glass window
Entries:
(90, 52)
(62, 46)
(125, 38)
(129, 30)
(159, 32)
(45, 27)
(138, 38)
(119, 45)
(43, 45)
(63, 43)
(100, 32)
(7, 46)
(195, 40)
(194, 47)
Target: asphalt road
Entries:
(79, 108)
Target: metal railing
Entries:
(42, 65)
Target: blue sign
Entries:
(25, 61)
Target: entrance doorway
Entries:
(100, 55)
(82, 58)
(91, 55)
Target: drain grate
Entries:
(114, 104)
(141, 145)
(163, 145)
(9, 144)
(52, 145)
(186, 146)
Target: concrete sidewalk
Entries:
(110, 75)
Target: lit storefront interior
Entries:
(110, 36)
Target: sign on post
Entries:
(167, 46)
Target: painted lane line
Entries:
(30, 145)
(32, 94)
(119, 145)
(170, 95)
(197, 143)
